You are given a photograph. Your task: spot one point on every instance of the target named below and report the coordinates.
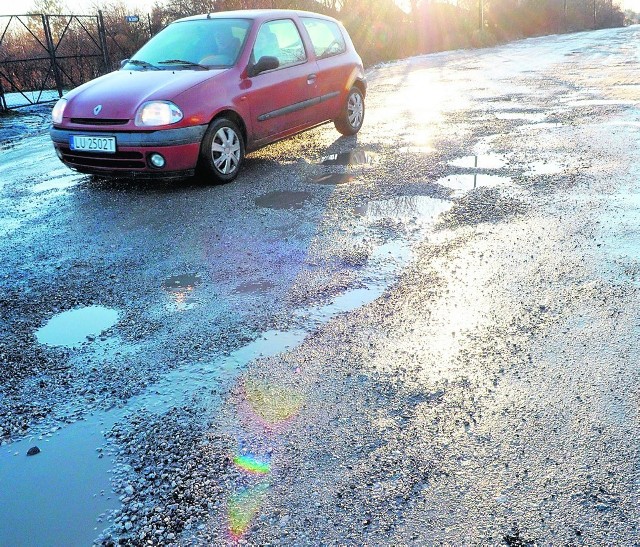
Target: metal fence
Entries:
(41, 56)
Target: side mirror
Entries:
(264, 63)
(123, 62)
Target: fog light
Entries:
(157, 160)
(58, 153)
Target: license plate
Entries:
(83, 143)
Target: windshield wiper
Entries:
(143, 64)
(182, 62)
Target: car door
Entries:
(333, 66)
(279, 98)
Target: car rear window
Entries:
(325, 36)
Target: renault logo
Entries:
(97, 110)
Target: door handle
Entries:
(311, 79)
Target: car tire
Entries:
(352, 116)
(221, 151)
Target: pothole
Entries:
(423, 209)
(485, 161)
(353, 157)
(180, 288)
(464, 183)
(74, 327)
(283, 199)
(253, 287)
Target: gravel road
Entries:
(425, 334)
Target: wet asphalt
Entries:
(425, 334)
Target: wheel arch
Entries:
(235, 118)
(361, 85)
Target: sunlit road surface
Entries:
(428, 334)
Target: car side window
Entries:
(279, 39)
(325, 36)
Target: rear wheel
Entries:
(350, 120)
(222, 151)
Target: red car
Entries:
(208, 89)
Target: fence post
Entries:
(103, 41)
(3, 101)
(52, 53)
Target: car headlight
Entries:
(158, 113)
(58, 111)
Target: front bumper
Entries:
(179, 147)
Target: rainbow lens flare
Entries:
(243, 507)
(251, 464)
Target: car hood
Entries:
(121, 93)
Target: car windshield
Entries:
(197, 44)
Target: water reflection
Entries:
(74, 327)
(252, 287)
(180, 288)
(423, 209)
(464, 183)
(486, 161)
(353, 157)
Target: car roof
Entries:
(255, 14)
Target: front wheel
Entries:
(222, 151)
(350, 120)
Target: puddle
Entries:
(184, 281)
(56, 496)
(486, 161)
(465, 183)
(74, 327)
(333, 178)
(529, 116)
(543, 168)
(415, 208)
(283, 199)
(353, 157)
(180, 288)
(252, 287)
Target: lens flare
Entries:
(273, 404)
(243, 507)
(251, 464)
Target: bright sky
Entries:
(12, 7)
(80, 7)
